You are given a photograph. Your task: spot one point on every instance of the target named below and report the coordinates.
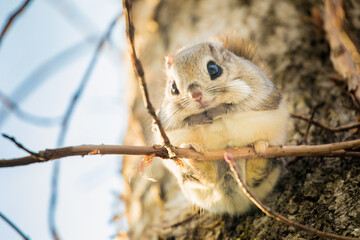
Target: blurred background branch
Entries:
(37, 120)
(68, 57)
(65, 125)
(42, 74)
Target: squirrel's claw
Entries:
(260, 146)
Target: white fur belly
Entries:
(238, 129)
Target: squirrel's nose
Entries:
(196, 95)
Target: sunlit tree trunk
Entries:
(322, 193)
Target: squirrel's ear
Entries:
(169, 60)
(216, 48)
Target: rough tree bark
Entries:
(323, 193)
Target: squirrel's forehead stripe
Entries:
(195, 50)
(192, 56)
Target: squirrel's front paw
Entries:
(200, 148)
(217, 112)
(260, 146)
(198, 119)
(203, 171)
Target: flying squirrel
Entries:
(218, 95)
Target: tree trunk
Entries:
(322, 193)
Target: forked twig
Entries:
(19, 145)
(138, 69)
(268, 211)
(12, 17)
(14, 226)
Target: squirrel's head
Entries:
(208, 74)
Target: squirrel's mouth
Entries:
(203, 105)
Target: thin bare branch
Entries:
(324, 126)
(12, 18)
(347, 148)
(19, 145)
(313, 111)
(14, 226)
(138, 69)
(268, 211)
(65, 124)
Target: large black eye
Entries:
(214, 70)
(174, 89)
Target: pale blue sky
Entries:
(88, 186)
